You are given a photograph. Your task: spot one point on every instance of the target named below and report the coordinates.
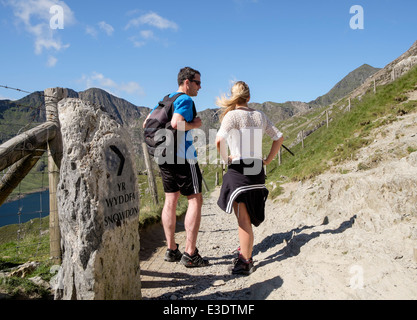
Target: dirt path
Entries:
(216, 241)
(339, 236)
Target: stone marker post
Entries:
(99, 207)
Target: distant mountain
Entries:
(132, 116)
(28, 112)
(123, 111)
(282, 111)
(349, 83)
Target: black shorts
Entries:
(185, 178)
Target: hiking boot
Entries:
(237, 252)
(173, 255)
(242, 266)
(193, 261)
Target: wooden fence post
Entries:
(302, 139)
(52, 97)
(151, 177)
(279, 156)
(327, 118)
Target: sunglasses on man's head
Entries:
(196, 82)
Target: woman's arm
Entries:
(276, 145)
(222, 148)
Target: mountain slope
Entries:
(390, 72)
(30, 110)
(281, 111)
(348, 130)
(123, 111)
(349, 83)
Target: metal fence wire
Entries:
(24, 225)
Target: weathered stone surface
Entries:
(98, 202)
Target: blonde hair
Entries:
(240, 94)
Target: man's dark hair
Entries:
(186, 73)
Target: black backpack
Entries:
(161, 119)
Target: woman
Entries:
(243, 187)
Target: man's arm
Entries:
(178, 123)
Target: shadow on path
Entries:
(184, 285)
(294, 240)
(192, 285)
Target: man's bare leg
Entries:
(192, 222)
(169, 218)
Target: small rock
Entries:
(24, 270)
(40, 282)
(218, 283)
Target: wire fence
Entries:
(24, 225)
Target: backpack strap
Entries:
(168, 104)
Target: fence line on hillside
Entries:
(20, 154)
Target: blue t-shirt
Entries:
(184, 106)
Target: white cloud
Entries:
(147, 34)
(91, 31)
(51, 61)
(141, 39)
(35, 17)
(96, 79)
(132, 88)
(137, 43)
(106, 28)
(152, 19)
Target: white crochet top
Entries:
(244, 130)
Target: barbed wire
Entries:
(25, 218)
(25, 91)
(37, 110)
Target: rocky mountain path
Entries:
(350, 233)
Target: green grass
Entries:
(347, 132)
(22, 243)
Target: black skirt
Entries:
(245, 183)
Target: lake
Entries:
(32, 206)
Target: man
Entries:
(183, 177)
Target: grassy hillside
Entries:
(347, 132)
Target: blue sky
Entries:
(285, 50)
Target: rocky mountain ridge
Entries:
(132, 116)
